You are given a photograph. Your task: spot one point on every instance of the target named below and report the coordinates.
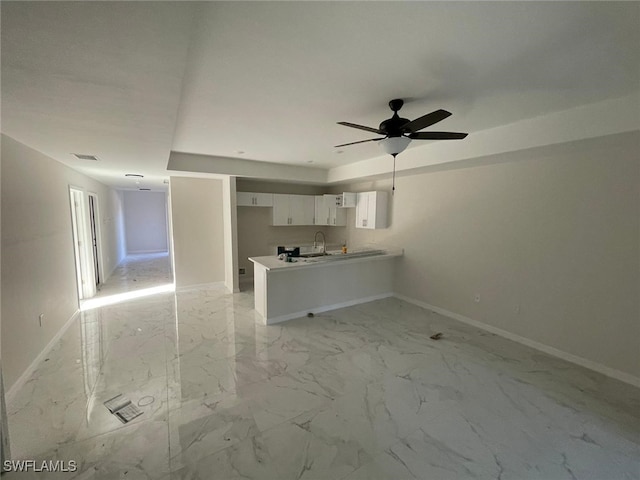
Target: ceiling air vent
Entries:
(81, 156)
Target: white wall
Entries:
(145, 219)
(198, 230)
(115, 226)
(38, 267)
(549, 239)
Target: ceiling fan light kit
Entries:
(394, 145)
(400, 131)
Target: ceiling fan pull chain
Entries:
(393, 182)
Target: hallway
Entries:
(357, 393)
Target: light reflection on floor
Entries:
(102, 301)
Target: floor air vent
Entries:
(122, 408)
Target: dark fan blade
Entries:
(437, 136)
(361, 127)
(425, 121)
(361, 141)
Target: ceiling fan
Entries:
(397, 126)
(398, 132)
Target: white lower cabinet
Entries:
(371, 210)
(293, 209)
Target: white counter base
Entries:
(283, 294)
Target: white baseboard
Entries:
(24, 378)
(326, 308)
(583, 362)
(199, 286)
(142, 252)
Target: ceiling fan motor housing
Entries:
(392, 127)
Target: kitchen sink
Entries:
(320, 257)
(313, 254)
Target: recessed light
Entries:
(133, 175)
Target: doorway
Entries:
(82, 245)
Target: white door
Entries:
(82, 245)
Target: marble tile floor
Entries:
(357, 393)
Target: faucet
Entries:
(324, 242)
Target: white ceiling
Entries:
(131, 82)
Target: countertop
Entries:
(273, 263)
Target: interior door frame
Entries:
(82, 247)
(97, 223)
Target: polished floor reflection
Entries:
(357, 393)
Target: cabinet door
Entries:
(377, 210)
(337, 216)
(244, 199)
(302, 208)
(309, 209)
(281, 214)
(321, 212)
(349, 199)
(362, 209)
(371, 210)
(263, 200)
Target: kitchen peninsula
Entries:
(287, 290)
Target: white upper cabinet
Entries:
(349, 200)
(281, 213)
(289, 209)
(322, 212)
(302, 209)
(250, 199)
(371, 210)
(293, 209)
(328, 212)
(337, 216)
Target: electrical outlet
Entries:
(477, 298)
(243, 271)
